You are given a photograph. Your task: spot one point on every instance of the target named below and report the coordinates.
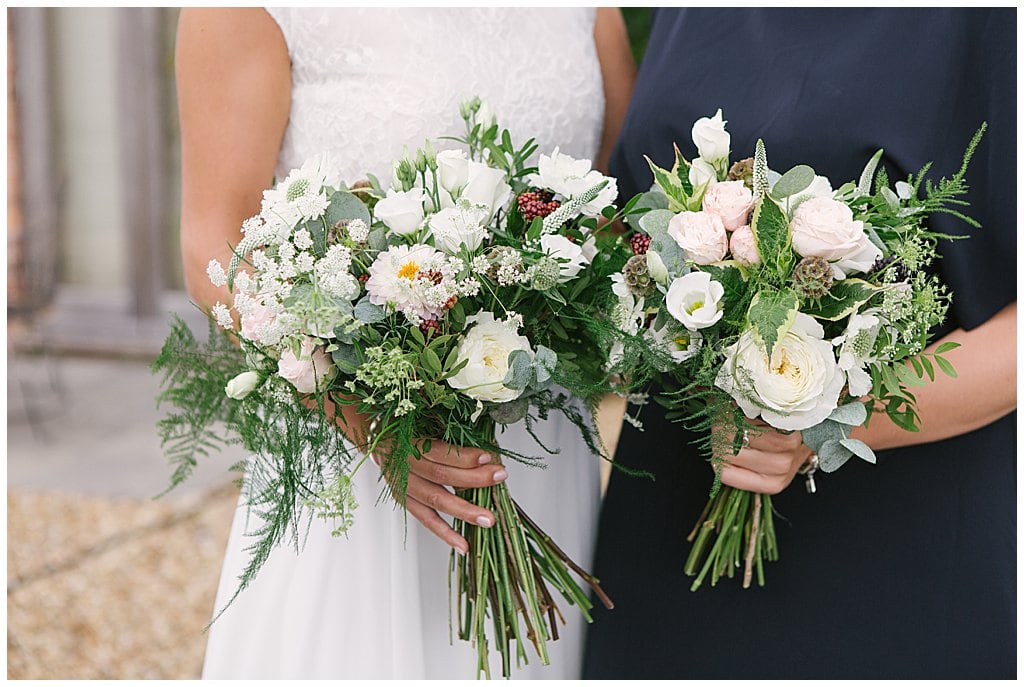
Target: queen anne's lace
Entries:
(360, 95)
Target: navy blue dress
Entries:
(905, 569)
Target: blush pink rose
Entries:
(743, 247)
(732, 201)
(308, 371)
(701, 235)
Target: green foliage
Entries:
(771, 314)
(793, 182)
(843, 299)
(772, 237)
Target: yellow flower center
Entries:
(682, 341)
(409, 270)
(694, 307)
(786, 368)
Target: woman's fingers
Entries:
(437, 498)
(480, 476)
(747, 480)
(761, 462)
(456, 456)
(433, 522)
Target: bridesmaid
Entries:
(904, 569)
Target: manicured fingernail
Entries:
(500, 476)
(484, 458)
(484, 521)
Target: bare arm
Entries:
(984, 390)
(618, 72)
(234, 94)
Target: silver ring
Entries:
(746, 439)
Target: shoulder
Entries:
(229, 30)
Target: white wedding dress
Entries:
(366, 83)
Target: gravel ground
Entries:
(104, 588)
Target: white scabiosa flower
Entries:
(572, 257)
(569, 178)
(695, 300)
(797, 388)
(679, 342)
(301, 196)
(394, 280)
(856, 350)
(486, 347)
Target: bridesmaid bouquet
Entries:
(760, 295)
(443, 306)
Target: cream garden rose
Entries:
(701, 235)
(731, 201)
(798, 388)
(308, 371)
(825, 228)
(486, 346)
(694, 300)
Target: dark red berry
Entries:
(640, 243)
(536, 203)
(428, 326)
(363, 278)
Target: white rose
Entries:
(242, 385)
(486, 186)
(825, 228)
(711, 138)
(695, 300)
(486, 347)
(701, 173)
(732, 201)
(857, 345)
(743, 247)
(797, 389)
(401, 211)
(701, 235)
(452, 170)
(310, 370)
(574, 257)
(462, 225)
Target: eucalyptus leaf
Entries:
(346, 359)
(826, 430)
(853, 414)
(793, 182)
(544, 362)
(520, 370)
(509, 413)
(369, 313)
(378, 240)
(343, 205)
(833, 455)
(655, 224)
(859, 449)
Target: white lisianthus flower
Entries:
(462, 225)
(825, 228)
(743, 246)
(486, 346)
(568, 177)
(401, 211)
(857, 345)
(695, 300)
(310, 370)
(572, 256)
(798, 388)
(394, 280)
(732, 201)
(702, 173)
(711, 138)
(701, 235)
(452, 170)
(679, 342)
(242, 385)
(487, 187)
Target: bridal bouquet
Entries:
(441, 307)
(760, 295)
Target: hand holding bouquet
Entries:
(778, 298)
(439, 307)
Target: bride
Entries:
(259, 92)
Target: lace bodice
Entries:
(367, 82)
